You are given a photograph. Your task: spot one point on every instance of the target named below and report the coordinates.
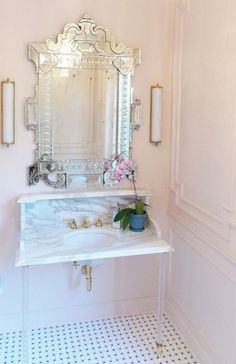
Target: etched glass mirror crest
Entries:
(83, 110)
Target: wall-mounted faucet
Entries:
(85, 223)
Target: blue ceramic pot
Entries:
(137, 222)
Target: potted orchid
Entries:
(120, 168)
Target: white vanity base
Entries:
(26, 327)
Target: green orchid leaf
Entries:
(122, 213)
(126, 220)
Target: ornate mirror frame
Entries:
(82, 45)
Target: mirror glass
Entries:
(85, 123)
(82, 110)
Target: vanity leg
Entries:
(26, 333)
(160, 303)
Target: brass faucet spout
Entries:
(85, 223)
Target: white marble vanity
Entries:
(47, 238)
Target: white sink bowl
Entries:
(90, 239)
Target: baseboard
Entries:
(197, 341)
(65, 315)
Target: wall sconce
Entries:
(8, 112)
(156, 114)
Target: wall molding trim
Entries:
(196, 339)
(222, 225)
(183, 5)
(225, 251)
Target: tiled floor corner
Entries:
(124, 340)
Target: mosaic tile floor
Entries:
(124, 340)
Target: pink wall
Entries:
(143, 24)
(202, 291)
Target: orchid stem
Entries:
(135, 190)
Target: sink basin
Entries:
(90, 239)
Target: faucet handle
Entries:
(98, 223)
(73, 224)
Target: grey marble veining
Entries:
(59, 213)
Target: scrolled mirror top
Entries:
(84, 38)
(81, 112)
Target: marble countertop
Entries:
(48, 244)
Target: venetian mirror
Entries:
(83, 110)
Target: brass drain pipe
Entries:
(87, 271)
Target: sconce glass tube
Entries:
(8, 112)
(156, 114)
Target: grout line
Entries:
(122, 340)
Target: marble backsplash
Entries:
(60, 212)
